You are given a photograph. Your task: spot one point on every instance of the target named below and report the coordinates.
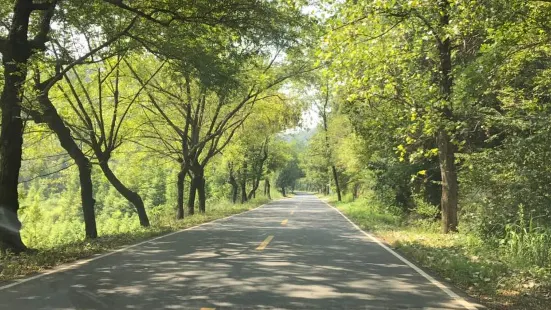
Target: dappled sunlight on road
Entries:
(316, 261)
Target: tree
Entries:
(101, 105)
(408, 72)
(191, 23)
(288, 176)
(17, 49)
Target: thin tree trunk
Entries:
(268, 189)
(258, 171)
(201, 192)
(191, 197)
(130, 195)
(180, 200)
(252, 193)
(234, 186)
(50, 116)
(244, 183)
(336, 178)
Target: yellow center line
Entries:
(265, 243)
(284, 222)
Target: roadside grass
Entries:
(486, 270)
(43, 257)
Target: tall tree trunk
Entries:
(336, 179)
(268, 189)
(130, 195)
(11, 143)
(87, 197)
(283, 191)
(450, 188)
(198, 172)
(244, 183)
(252, 192)
(180, 200)
(234, 187)
(15, 55)
(201, 193)
(258, 171)
(191, 196)
(50, 116)
(446, 149)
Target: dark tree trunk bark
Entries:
(446, 149)
(191, 197)
(258, 172)
(252, 193)
(15, 55)
(180, 200)
(130, 195)
(283, 192)
(234, 187)
(55, 123)
(198, 187)
(336, 178)
(87, 196)
(267, 189)
(201, 191)
(244, 183)
(11, 143)
(450, 188)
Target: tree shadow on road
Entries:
(311, 263)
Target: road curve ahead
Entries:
(295, 253)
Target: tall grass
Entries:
(526, 244)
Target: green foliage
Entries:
(287, 177)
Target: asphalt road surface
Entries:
(295, 253)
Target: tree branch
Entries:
(40, 39)
(64, 71)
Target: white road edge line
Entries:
(71, 266)
(432, 280)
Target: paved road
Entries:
(291, 254)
